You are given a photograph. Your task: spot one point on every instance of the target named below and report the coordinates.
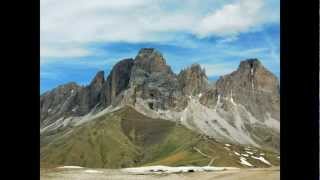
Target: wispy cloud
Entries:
(63, 51)
(79, 37)
(66, 27)
(234, 18)
(245, 53)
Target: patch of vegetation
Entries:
(126, 138)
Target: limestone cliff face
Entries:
(249, 99)
(153, 80)
(193, 80)
(70, 100)
(251, 85)
(89, 96)
(117, 81)
(151, 61)
(57, 102)
(241, 107)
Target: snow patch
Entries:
(227, 145)
(236, 153)
(249, 152)
(168, 169)
(92, 171)
(245, 162)
(231, 99)
(262, 159)
(70, 167)
(218, 103)
(74, 109)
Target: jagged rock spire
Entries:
(193, 80)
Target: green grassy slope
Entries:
(126, 138)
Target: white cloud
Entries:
(67, 26)
(245, 53)
(232, 19)
(63, 51)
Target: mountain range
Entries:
(142, 113)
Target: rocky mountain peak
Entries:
(247, 95)
(98, 80)
(193, 80)
(251, 81)
(250, 63)
(117, 81)
(148, 52)
(151, 60)
(196, 68)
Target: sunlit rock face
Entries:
(193, 80)
(252, 86)
(241, 107)
(117, 82)
(249, 99)
(153, 81)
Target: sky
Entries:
(80, 37)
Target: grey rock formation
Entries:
(117, 81)
(153, 80)
(89, 96)
(240, 107)
(256, 89)
(193, 80)
(70, 100)
(74, 100)
(58, 102)
(251, 85)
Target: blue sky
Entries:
(80, 37)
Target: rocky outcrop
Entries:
(252, 86)
(241, 107)
(249, 99)
(89, 96)
(73, 100)
(151, 61)
(153, 81)
(58, 102)
(70, 100)
(193, 80)
(117, 81)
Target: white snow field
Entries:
(120, 174)
(168, 169)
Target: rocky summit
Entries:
(193, 80)
(142, 102)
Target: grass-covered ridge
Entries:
(126, 138)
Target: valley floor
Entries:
(113, 174)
